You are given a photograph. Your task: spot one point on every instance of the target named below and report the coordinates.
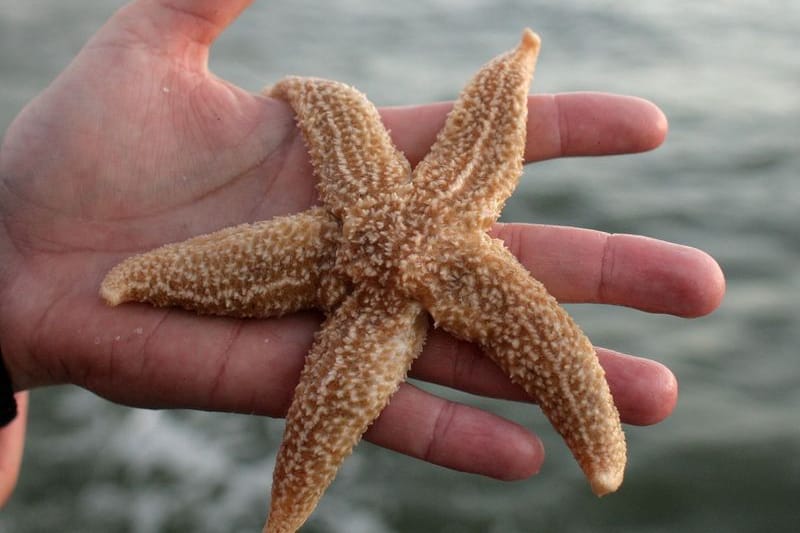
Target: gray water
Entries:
(727, 180)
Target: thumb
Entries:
(182, 29)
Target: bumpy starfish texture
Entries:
(387, 248)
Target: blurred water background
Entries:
(727, 180)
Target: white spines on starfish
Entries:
(253, 270)
(476, 161)
(384, 246)
(475, 289)
(359, 358)
(350, 150)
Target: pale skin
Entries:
(136, 144)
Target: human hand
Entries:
(137, 144)
(12, 441)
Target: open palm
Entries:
(136, 144)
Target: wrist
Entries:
(8, 404)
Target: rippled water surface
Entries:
(727, 180)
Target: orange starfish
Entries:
(387, 247)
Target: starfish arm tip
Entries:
(530, 40)
(112, 293)
(606, 482)
(276, 526)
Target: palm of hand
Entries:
(132, 148)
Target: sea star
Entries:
(387, 247)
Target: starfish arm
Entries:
(350, 149)
(476, 290)
(358, 360)
(253, 270)
(477, 158)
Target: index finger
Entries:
(559, 125)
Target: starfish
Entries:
(387, 248)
